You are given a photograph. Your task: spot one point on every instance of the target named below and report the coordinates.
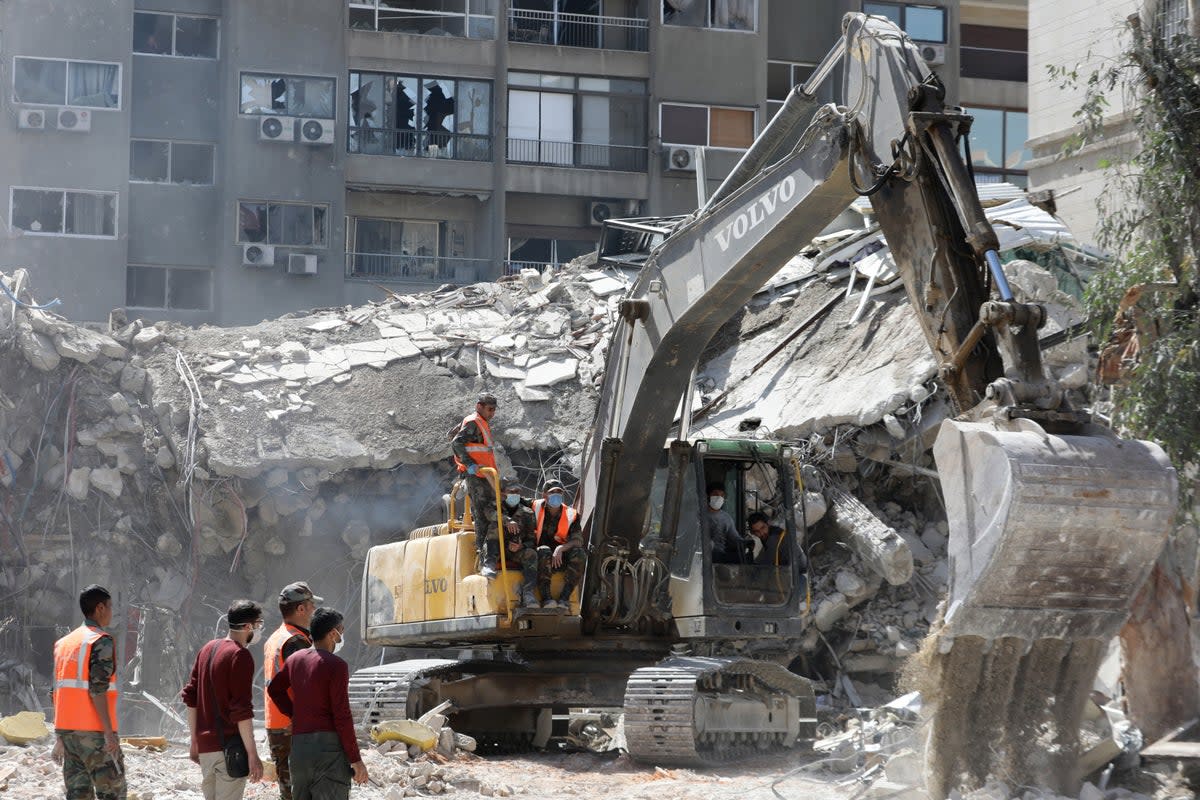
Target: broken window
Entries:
(422, 115)
(706, 126)
(287, 95)
(288, 224)
(179, 35)
(395, 248)
(63, 212)
(998, 150)
(475, 19)
(538, 252)
(159, 161)
(735, 15)
(923, 23)
(64, 82)
(176, 288)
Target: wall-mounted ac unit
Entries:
(680, 159)
(76, 120)
(933, 54)
(277, 129)
(600, 210)
(316, 131)
(302, 264)
(33, 119)
(258, 255)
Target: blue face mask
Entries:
(554, 500)
(512, 499)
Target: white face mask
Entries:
(337, 647)
(716, 502)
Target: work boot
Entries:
(489, 557)
(564, 597)
(544, 593)
(528, 598)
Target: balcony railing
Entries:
(577, 154)
(419, 144)
(577, 30)
(992, 64)
(417, 269)
(390, 16)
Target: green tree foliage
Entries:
(1150, 221)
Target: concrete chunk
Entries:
(78, 482)
(147, 338)
(37, 348)
(551, 372)
(108, 480)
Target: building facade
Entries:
(223, 162)
(1084, 35)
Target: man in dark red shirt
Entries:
(324, 750)
(218, 697)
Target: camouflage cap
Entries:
(486, 399)
(298, 592)
(552, 485)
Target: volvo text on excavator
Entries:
(1055, 521)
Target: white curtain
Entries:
(734, 14)
(94, 85)
(91, 214)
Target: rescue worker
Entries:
(296, 605)
(85, 704)
(768, 542)
(559, 544)
(219, 699)
(520, 540)
(325, 753)
(472, 446)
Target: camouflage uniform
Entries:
(88, 771)
(524, 559)
(483, 497)
(574, 559)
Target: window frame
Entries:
(175, 33)
(242, 73)
(1002, 172)
(903, 8)
(466, 15)
(167, 288)
(708, 107)
(708, 26)
(237, 221)
(171, 163)
(791, 65)
(26, 232)
(67, 85)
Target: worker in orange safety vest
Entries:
(85, 704)
(296, 605)
(473, 449)
(559, 544)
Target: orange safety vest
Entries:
(273, 662)
(565, 520)
(480, 452)
(73, 709)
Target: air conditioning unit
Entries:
(277, 129)
(933, 54)
(77, 120)
(599, 211)
(33, 119)
(258, 255)
(681, 159)
(302, 264)
(316, 131)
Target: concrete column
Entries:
(499, 212)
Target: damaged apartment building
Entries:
(217, 161)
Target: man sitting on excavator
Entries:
(559, 544)
(520, 539)
(727, 545)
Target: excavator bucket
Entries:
(1050, 536)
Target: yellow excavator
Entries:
(1055, 521)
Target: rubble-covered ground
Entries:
(186, 467)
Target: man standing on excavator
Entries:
(559, 544)
(472, 446)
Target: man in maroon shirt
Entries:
(218, 698)
(324, 750)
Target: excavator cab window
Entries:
(758, 571)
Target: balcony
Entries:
(993, 64)
(581, 155)
(418, 144)
(577, 30)
(424, 17)
(416, 269)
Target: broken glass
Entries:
(685, 12)
(192, 163)
(252, 222)
(288, 95)
(149, 160)
(37, 210)
(196, 37)
(40, 80)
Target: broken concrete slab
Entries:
(107, 480)
(551, 372)
(37, 348)
(78, 482)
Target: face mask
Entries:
(715, 502)
(250, 638)
(512, 499)
(554, 500)
(337, 647)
